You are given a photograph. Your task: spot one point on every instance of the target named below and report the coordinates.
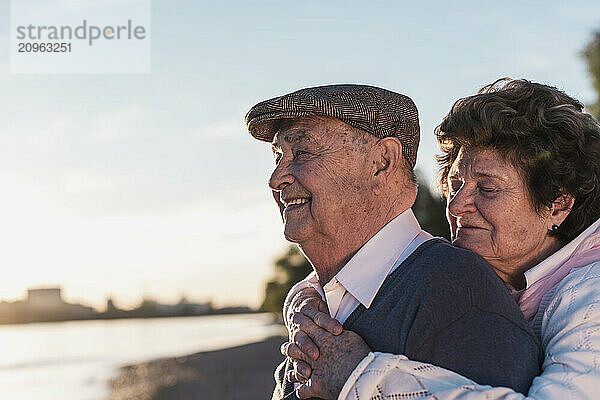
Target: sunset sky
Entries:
(133, 185)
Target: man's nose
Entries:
(281, 176)
(462, 202)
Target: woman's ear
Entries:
(561, 207)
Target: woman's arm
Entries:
(571, 368)
(382, 375)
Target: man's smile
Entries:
(298, 201)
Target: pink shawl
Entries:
(586, 252)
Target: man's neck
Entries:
(327, 269)
(329, 257)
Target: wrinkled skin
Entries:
(322, 373)
(490, 213)
(323, 164)
(308, 301)
(328, 173)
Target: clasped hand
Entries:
(324, 355)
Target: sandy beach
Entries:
(243, 372)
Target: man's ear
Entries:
(387, 156)
(560, 209)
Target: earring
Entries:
(554, 228)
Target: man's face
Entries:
(322, 176)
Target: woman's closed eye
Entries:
(486, 189)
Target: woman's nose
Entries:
(461, 202)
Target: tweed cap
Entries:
(380, 112)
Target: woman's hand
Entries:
(308, 302)
(307, 297)
(323, 374)
(324, 355)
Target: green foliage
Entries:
(289, 269)
(592, 56)
(430, 210)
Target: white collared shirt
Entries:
(360, 279)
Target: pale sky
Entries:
(127, 185)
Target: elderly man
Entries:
(344, 175)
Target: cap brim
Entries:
(264, 127)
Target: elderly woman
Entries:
(518, 157)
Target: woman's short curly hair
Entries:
(543, 132)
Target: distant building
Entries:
(43, 305)
(45, 298)
(47, 304)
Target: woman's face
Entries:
(490, 213)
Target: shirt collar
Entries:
(364, 274)
(553, 262)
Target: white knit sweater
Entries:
(568, 325)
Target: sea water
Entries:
(77, 360)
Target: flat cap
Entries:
(380, 112)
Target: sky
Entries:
(133, 185)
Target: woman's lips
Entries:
(469, 227)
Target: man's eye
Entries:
(300, 153)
